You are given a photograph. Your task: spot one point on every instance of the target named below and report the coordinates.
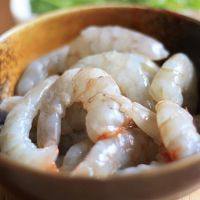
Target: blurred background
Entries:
(18, 11)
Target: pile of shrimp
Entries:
(102, 106)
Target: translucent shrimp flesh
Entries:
(75, 155)
(132, 72)
(145, 119)
(14, 140)
(6, 105)
(131, 147)
(9, 103)
(176, 81)
(81, 85)
(94, 40)
(177, 130)
(51, 64)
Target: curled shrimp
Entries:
(14, 140)
(80, 85)
(50, 64)
(175, 80)
(75, 155)
(94, 40)
(145, 119)
(130, 147)
(132, 72)
(177, 130)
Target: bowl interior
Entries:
(21, 45)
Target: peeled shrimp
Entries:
(145, 119)
(52, 63)
(177, 130)
(81, 85)
(14, 140)
(139, 168)
(176, 79)
(10, 102)
(6, 106)
(94, 40)
(131, 147)
(75, 155)
(132, 72)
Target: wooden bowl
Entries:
(21, 45)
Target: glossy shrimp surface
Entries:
(132, 72)
(176, 81)
(145, 119)
(9, 103)
(51, 64)
(78, 85)
(94, 40)
(177, 130)
(75, 155)
(6, 105)
(14, 138)
(107, 156)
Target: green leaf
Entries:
(41, 6)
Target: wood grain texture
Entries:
(5, 195)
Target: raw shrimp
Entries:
(132, 72)
(14, 140)
(52, 63)
(176, 78)
(177, 130)
(145, 119)
(80, 85)
(10, 102)
(131, 147)
(75, 155)
(6, 106)
(95, 40)
(139, 169)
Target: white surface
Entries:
(21, 10)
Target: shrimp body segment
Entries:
(109, 155)
(177, 130)
(75, 85)
(145, 119)
(9, 103)
(14, 140)
(132, 72)
(175, 80)
(51, 64)
(94, 40)
(75, 155)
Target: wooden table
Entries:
(7, 22)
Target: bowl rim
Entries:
(165, 169)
